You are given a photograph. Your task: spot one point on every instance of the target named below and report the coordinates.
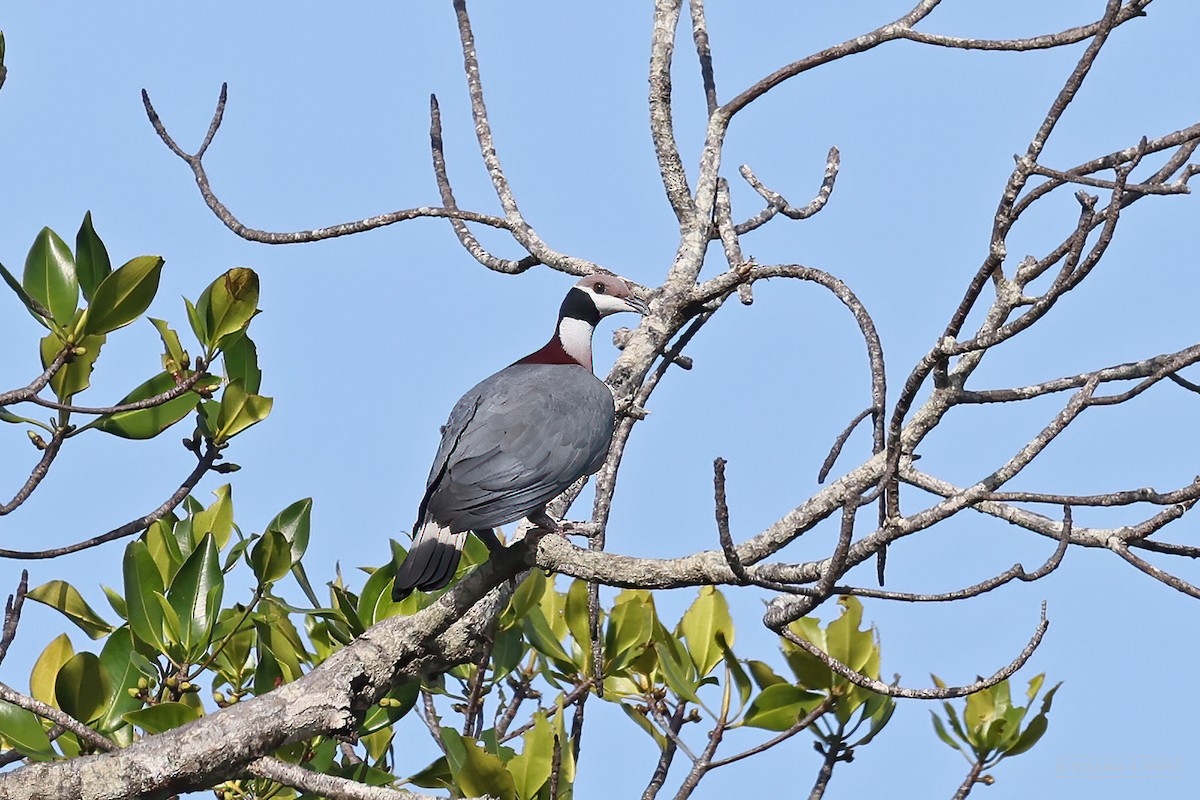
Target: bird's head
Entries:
(608, 294)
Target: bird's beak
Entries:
(636, 305)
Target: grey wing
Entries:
(516, 441)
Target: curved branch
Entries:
(37, 384)
(1015, 572)
(520, 229)
(1043, 42)
(39, 471)
(779, 625)
(465, 237)
(778, 204)
(206, 461)
(314, 235)
(180, 388)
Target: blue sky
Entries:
(367, 341)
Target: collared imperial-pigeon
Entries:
(518, 439)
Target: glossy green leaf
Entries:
(295, 523)
(196, 321)
(217, 519)
(175, 358)
(630, 626)
(45, 669)
(530, 769)
(119, 662)
(66, 598)
(678, 675)
(22, 730)
(543, 639)
(527, 595)
(575, 612)
(780, 706)
(82, 688)
(707, 617)
(162, 717)
(146, 423)
(227, 305)
(49, 276)
(116, 601)
(270, 558)
(142, 582)
(164, 547)
(241, 362)
(91, 258)
(38, 311)
(195, 596)
(75, 375)
(123, 295)
(239, 410)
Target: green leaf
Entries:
(162, 717)
(295, 523)
(239, 410)
(217, 519)
(942, 733)
(36, 309)
(227, 305)
(543, 639)
(195, 596)
(75, 375)
(45, 670)
(116, 601)
(530, 769)
(241, 361)
(479, 772)
(1029, 737)
(50, 276)
(780, 706)
(91, 258)
(175, 358)
(763, 675)
(575, 612)
(271, 558)
(21, 729)
(142, 582)
(124, 295)
(65, 598)
(678, 675)
(146, 423)
(196, 321)
(642, 722)
(82, 688)
(123, 668)
(630, 626)
(740, 679)
(704, 620)
(844, 640)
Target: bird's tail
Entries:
(432, 560)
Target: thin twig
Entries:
(206, 461)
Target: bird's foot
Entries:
(545, 522)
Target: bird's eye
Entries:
(598, 287)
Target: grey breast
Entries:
(515, 441)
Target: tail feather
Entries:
(431, 562)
